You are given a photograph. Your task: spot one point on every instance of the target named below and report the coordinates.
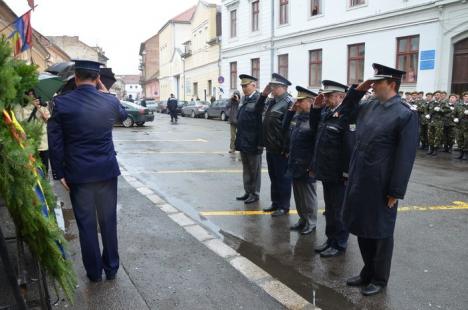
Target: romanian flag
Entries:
(21, 38)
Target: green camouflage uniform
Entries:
(461, 114)
(449, 125)
(435, 134)
(421, 105)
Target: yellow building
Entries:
(171, 38)
(201, 58)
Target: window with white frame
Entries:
(315, 7)
(353, 3)
(255, 14)
(233, 23)
(283, 12)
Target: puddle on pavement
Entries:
(325, 297)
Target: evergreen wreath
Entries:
(27, 195)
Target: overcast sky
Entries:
(117, 26)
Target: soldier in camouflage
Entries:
(421, 106)
(449, 125)
(435, 115)
(461, 121)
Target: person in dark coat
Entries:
(386, 142)
(249, 139)
(275, 142)
(301, 150)
(83, 158)
(232, 108)
(330, 162)
(172, 108)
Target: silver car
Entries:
(195, 109)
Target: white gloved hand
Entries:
(456, 120)
(452, 108)
(437, 109)
(466, 112)
(428, 116)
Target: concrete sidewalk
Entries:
(170, 262)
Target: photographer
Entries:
(232, 108)
(36, 110)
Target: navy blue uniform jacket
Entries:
(381, 163)
(80, 135)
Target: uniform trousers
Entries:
(91, 201)
(335, 230)
(251, 172)
(305, 196)
(280, 188)
(377, 257)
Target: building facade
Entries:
(149, 67)
(130, 84)
(77, 49)
(172, 37)
(311, 40)
(201, 57)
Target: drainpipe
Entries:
(272, 42)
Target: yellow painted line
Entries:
(457, 205)
(158, 140)
(202, 171)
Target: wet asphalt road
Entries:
(188, 164)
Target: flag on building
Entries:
(21, 37)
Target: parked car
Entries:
(217, 110)
(195, 108)
(136, 114)
(151, 104)
(162, 106)
(180, 105)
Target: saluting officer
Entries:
(301, 150)
(380, 168)
(330, 162)
(249, 139)
(83, 158)
(275, 142)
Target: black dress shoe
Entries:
(298, 226)
(243, 197)
(371, 289)
(270, 209)
(252, 198)
(110, 277)
(331, 252)
(356, 281)
(280, 212)
(308, 229)
(95, 280)
(322, 247)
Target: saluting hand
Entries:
(266, 90)
(391, 201)
(319, 102)
(365, 86)
(101, 87)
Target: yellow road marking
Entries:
(158, 140)
(457, 205)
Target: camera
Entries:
(42, 103)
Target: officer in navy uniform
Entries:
(301, 150)
(83, 158)
(275, 142)
(249, 139)
(381, 164)
(172, 108)
(330, 163)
